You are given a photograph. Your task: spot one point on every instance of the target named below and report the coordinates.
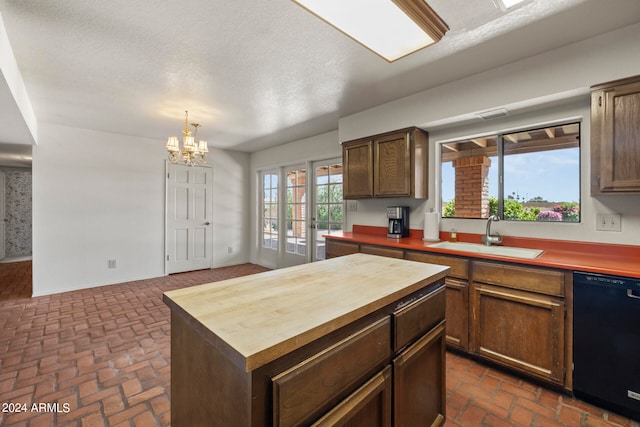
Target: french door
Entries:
(300, 203)
(189, 215)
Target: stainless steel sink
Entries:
(490, 250)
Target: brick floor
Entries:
(101, 357)
(478, 395)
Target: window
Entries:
(528, 175)
(270, 209)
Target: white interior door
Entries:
(3, 213)
(328, 205)
(189, 234)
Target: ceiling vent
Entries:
(493, 114)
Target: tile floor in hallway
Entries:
(15, 280)
(103, 354)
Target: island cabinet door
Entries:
(306, 392)
(419, 381)
(369, 406)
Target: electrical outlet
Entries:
(352, 205)
(609, 222)
(229, 249)
(111, 263)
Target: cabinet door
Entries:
(392, 167)
(457, 313)
(357, 159)
(616, 132)
(306, 391)
(521, 330)
(419, 381)
(369, 406)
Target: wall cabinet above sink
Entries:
(393, 164)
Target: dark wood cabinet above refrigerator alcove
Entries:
(392, 164)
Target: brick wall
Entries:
(472, 186)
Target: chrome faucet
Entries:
(488, 239)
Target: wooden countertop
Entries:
(620, 260)
(256, 319)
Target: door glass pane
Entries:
(296, 212)
(329, 204)
(270, 210)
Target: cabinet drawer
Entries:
(544, 281)
(336, 248)
(459, 266)
(416, 319)
(308, 390)
(369, 406)
(382, 251)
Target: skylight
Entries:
(390, 28)
(507, 4)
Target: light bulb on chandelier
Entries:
(192, 153)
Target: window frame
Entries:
(499, 135)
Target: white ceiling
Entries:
(254, 73)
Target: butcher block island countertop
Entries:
(265, 315)
(233, 341)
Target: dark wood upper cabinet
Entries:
(357, 158)
(615, 137)
(393, 164)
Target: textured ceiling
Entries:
(256, 73)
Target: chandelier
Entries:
(192, 153)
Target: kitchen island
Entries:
(358, 338)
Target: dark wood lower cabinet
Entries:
(521, 330)
(307, 390)
(517, 316)
(458, 313)
(382, 251)
(419, 381)
(369, 406)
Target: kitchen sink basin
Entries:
(489, 250)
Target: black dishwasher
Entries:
(606, 342)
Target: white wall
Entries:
(100, 196)
(232, 203)
(552, 86)
(320, 147)
(18, 120)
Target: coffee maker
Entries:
(398, 221)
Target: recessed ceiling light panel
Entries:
(390, 28)
(507, 4)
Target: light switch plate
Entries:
(609, 222)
